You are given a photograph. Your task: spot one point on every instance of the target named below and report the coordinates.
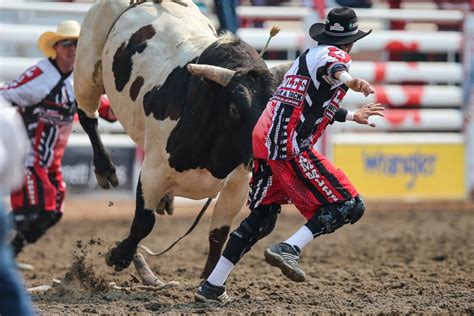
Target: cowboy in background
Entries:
(44, 96)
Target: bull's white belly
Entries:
(193, 184)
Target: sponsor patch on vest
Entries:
(293, 90)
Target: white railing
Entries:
(405, 138)
(410, 96)
(29, 9)
(286, 40)
(298, 13)
(388, 72)
(396, 72)
(437, 120)
(44, 7)
(413, 41)
(411, 120)
(393, 95)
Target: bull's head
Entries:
(247, 91)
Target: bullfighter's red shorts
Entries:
(309, 181)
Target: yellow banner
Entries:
(404, 170)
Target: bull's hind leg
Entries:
(143, 222)
(230, 202)
(149, 191)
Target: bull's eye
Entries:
(234, 111)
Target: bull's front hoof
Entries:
(119, 258)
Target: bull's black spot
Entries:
(122, 63)
(136, 86)
(168, 100)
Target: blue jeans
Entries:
(227, 15)
(13, 298)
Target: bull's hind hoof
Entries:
(106, 179)
(118, 259)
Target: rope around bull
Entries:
(196, 221)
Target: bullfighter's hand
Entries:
(362, 115)
(360, 85)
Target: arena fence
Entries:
(23, 37)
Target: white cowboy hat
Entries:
(68, 29)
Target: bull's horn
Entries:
(218, 74)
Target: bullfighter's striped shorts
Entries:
(309, 181)
(43, 189)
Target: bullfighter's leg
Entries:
(143, 222)
(230, 202)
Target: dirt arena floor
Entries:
(400, 258)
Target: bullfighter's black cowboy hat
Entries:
(341, 27)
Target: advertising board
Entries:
(404, 169)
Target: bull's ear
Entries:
(217, 74)
(279, 71)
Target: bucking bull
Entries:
(188, 97)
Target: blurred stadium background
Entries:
(420, 57)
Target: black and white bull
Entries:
(188, 97)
